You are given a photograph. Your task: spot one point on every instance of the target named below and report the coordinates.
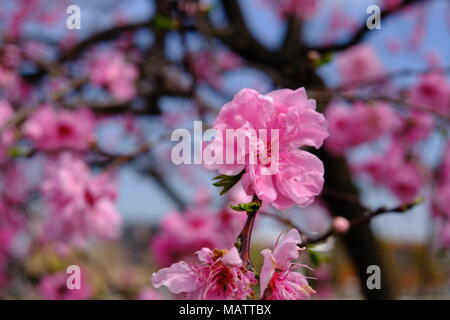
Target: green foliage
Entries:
(16, 152)
(227, 182)
(324, 59)
(165, 22)
(251, 207)
(316, 257)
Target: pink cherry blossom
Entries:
(7, 233)
(149, 294)
(358, 64)
(433, 92)
(110, 69)
(11, 56)
(445, 166)
(182, 234)
(361, 123)
(391, 4)
(341, 224)
(81, 206)
(54, 287)
(406, 182)
(4, 278)
(402, 175)
(444, 234)
(292, 115)
(416, 126)
(50, 129)
(441, 200)
(6, 135)
(208, 66)
(323, 285)
(219, 275)
(441, 195)
(279, 279)
(300, 8)
(13, 184)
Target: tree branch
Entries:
(361, 33)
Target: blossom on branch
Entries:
(219, 275)
(279, 279)
(282, 174)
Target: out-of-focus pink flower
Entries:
(391, 4)
(361, 123)
(406, 182)
(323, 275)
(183, 234)
(11, 56)
(416, 126)
(432, 92)
(198, 227)
(358, 64)
(441, 196)
(13, 184)
(341, 224)
(54, 287)
(441, 200)
(208, 65)
(7, 233)
(402, 175)
(444, 234)
(301, 8)
(278, 278)
(149, 294)
(110, 69)
(282, 174)
(445, 167)
(219, 275)
(7, 135)
(50, 129)
(81, 206)
(9, 80)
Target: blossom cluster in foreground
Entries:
(221, 275)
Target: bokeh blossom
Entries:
(81, 206)
(51, 129)
(54, 287)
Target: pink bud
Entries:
(341, 224)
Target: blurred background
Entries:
(87, 113)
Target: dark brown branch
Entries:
(244, 239)
(239, 37)
(104, 35)
(363, 31)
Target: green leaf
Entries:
(317, 257)
(16, 151)
(251, 207)
(227, 182)
(165, 22)
(324, 59)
